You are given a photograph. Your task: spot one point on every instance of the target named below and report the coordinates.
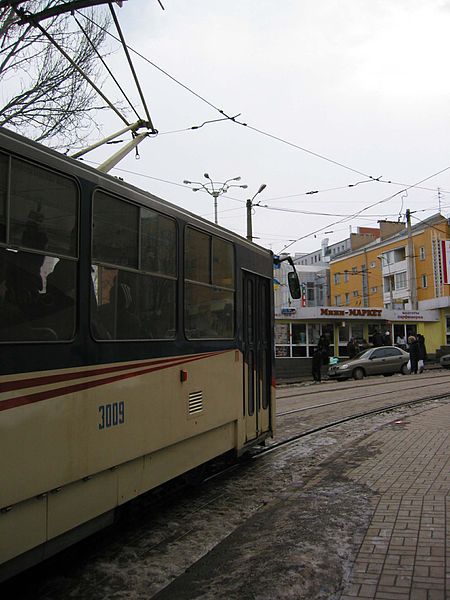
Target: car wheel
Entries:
(404, 370)
(358, 373)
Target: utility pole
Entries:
(411, 263)
(249, 205)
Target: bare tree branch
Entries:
(42, 95)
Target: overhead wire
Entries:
(365, 208)
(106, 66)
(260, 131)
(130, 64)
(234, 118)
(272, 136)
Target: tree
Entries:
(42, 95)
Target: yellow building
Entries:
(370, 291)
(402, 274)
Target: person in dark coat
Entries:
(387, 339)
(422, 350)
(323, 346)
(377, 339)
(316, 366)
(352, 348)
(413, 354)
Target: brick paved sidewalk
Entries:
(405, 554)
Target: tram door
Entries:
(257, 354)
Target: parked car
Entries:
(445, 361)
(384, 360)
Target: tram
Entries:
(135, 345)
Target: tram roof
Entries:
(33, 150)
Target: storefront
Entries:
(296, 338)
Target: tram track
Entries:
(341, 387)
(354, 417)
(344, 400)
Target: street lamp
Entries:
(381, 258)
(249, 205)
(214, 188)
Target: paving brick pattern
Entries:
(405, 554)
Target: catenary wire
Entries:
(365, 208)
(106, 66)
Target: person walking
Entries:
(422, 351)
(413, 354)
(323, 346)
(317, 366)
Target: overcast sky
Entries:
(364, 84)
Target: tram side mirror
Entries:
(294, 285)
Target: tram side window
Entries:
(158, 243)
(131, 303)
(209, 286)
(44, 207)
(115, 231)
(38, 287)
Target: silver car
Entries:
(385, 360)
(445, 361)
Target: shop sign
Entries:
(409, 315)
(351, 312)
(288, 311)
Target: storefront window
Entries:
(344, 334)
(299, 351)
(328, 331)
(357, 332)
(313, 333)
(282, 340)
(282, 351)
(400, 335)
(299, 333)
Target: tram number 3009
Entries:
(111, 415)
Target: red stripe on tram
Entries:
(18, 384)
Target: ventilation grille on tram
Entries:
(195, 402)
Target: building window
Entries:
(355, 293)
(354, 269)
(347, 299)
(373, 290)
(422, 253)
(345, 276)
(424, 281)
(337, 278)
(394, 256)
(337, 300)
(400, 280)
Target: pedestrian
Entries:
(422, 351)
(317, 365)
(413, 355)
(352, 349)
(377, 339)
(323, 346)
(387, 339)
